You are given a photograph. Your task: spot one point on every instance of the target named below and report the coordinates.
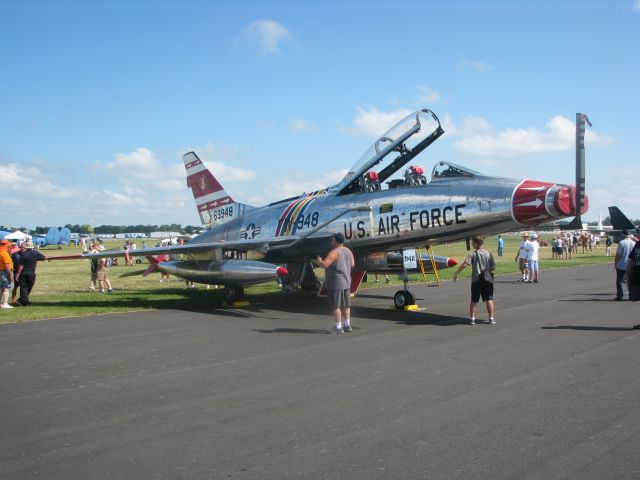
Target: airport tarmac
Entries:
(550, 392)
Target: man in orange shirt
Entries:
(6, 273)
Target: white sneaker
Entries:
(472, 321)
(492, 321)
(337, 329)
(6, 305)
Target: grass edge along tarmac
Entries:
(61, 288)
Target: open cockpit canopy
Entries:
(393, 150)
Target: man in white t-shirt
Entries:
(532, 258)
(521, 257)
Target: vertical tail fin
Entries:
(619, 220)
(215, 205)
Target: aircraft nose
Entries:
(534, 202)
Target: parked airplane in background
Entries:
(598, 228)
(380, 209)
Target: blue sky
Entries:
(99, 100)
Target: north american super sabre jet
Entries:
(379, 216)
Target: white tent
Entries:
(17, 235)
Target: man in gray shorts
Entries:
(337, 278)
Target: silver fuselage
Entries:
(444, 210)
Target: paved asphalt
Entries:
(550, 392)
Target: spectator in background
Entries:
(500, 245)
(16, 254)
(566, 246)
(608, 245)
(6, 273)
(521, 257)
(103, 272)
(127, 258)
(27, 272)
(164, 276)
(94, 268)
(620, 262)
(386, 278)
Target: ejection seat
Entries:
(414, 176)
(369, 182)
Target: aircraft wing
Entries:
(262, 246)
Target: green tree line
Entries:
(146, 229)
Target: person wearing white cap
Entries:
(532, 258)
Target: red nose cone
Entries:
(451, 262)
(281, 272)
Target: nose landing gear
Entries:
(404, 299)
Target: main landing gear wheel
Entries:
(233, 294)
(402, 298)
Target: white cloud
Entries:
(477, 65)
(266, 35)
(299, 125)
(15, 178)
(478, 138)
(217, 159)
(264, 124)
(371, 122)
(281, 185)
(119, 199)
(426, 95)
(141, 163)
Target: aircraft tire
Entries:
(402, 298)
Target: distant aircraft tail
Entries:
(215, 205)
(619, 221)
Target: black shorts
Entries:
(339, 298)
(483, 289)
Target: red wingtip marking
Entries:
(451, 262)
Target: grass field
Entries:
(62, 287)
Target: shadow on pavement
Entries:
(292, 330)
(585, 327)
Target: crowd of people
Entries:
(527, 258)
(17, 269)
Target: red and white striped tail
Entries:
(215, 206)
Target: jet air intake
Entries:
(534, 202)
